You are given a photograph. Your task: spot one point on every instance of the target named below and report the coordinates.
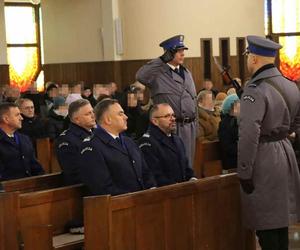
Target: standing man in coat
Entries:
(170, 82)
(267, 166)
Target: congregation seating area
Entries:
(34, 212)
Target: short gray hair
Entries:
(76, 105)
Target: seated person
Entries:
(209, 118)
(208, 85)
(58, 120)
(32, 125)
(11, 94)
(111, 163)
(17, 158)
(228, 131)
(68, 144)
(75, 93)
(164, 151)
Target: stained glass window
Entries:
(284, 18)
(22, 39)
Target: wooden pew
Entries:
(34, 183)
(23, 214)
(204, 214)
(46, 155)
(207, 160)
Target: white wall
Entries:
(72, 30)
(3, 54)
(148, 22)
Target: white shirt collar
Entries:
(173, 67)
(112, 135)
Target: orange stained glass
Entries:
(290, 56)
(23, 66)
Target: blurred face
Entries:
(131, 100)
(207, 101)
(64, 90)
(13, 119)
(53, 92)
(208, 85)
(178, 57)
(116, 119)
(27, 109)
(113, 87)
(236, 109)
(85, 117)
(87, 92)
(165, 119)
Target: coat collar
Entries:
(172, 74)
(79, 131)
(4, 137)
(107, 139)
(268, 73)
(162, 137)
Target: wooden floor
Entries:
(294, 235)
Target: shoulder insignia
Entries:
(63, 144)
(145, 144)
(146, 135)
(87, 139)
(64, 132)
(86, 149)
(249, 98)
(252, 85)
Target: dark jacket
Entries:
(17, 158)
(67, 147)
(56, 124)
(110, 167)
(228, 135)
(165, 156)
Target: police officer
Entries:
(68, 144)
(111, 163)
(170, 82)
(17, 158)
(164, 151)
(267, 166)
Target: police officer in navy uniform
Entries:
(68, 144)
(17, 158)
(170, 82)
(164, 151)
(111, 163)
(267, 167)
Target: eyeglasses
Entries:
(167, 116)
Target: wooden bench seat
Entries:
(22, 213)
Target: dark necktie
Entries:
(176, 70)
(118, 140)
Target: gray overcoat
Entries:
(265, 155)
(166, 86)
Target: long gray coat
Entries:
(272, 166)
(168, 87)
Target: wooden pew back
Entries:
(34, 183)
(46, 155)
(207, 160)
(204, 214)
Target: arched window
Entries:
(282, 24)
(23, 43)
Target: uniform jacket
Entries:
(67, 147)
(208, 124)
(109, 167)
(165, 156)
(166, 86)
(265, 155)
(56, 124)
(17, 158)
